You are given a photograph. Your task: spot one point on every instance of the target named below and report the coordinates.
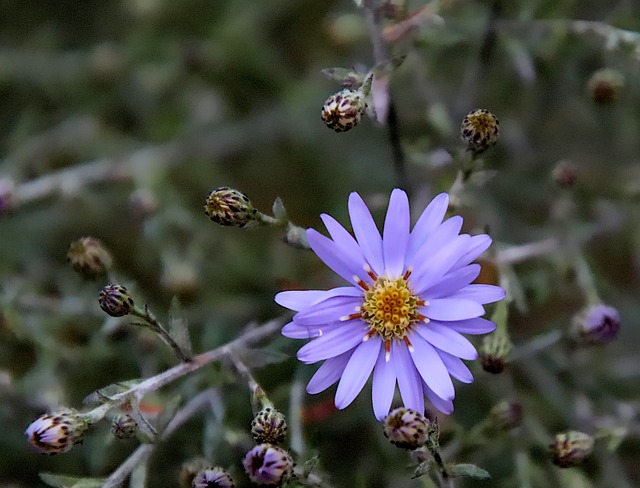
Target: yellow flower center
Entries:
(390, 308)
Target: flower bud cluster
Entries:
(115, 300)
(230, 207)
(406, 428)
(343, 110)
(57, 432)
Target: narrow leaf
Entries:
(467, 471)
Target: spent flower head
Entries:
(480, 130)
(408, 301)
(267, 464)
(597, 324)
(57, 432)
(606, 85)
(230, 207)
(571, 448)
(89, 257)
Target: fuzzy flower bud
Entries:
(479, 130)
(115, 300)
(230, 207)
(57, 432)
(343, 110)
(406, 428)
(571, 448)
(269, 426)
(212, 478)
(495, 351)
(605, 85)
(124, 427)
(598, 324)
(506, 415)
(268, 465)
(89, 257)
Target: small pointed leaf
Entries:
(178, 327)
(103, 395)
(467, 471)
(63, 481)
(278, 209)
(425, 467)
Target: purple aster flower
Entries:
(598, 324)
(410, 298)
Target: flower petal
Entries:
(357, 371)
(477, 246)
(383, 386)
(471, 326)
(409, 381)
(441, 237)
(366, 233)
(452, 282)
(333, 343)
(446, 339)
(297, 331)
(327, 374)
(445, 406)
(480, 293)
(300, 299)
(347, 245)
(452, 309)
(456, 367)
(331, 255)
(432, 269)
(396, 234)
(329, 310)
(431, 368)
(426, 225)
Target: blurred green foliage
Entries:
(188, 96)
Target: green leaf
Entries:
(388, 66)
(259, 358)
(103, 395)
(348, 78)
(178, 327)
(467, 471)
(309, 466)
(63, 481)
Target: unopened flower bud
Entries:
(343, 110)
(495, 351)
(406, 428)
(89, 257)
(231, 207)
(124, 427)
(267, 464)
(269, 426)
(571, 448)
(506, 415)
(115, 300)
(480, 130)
(189, 469)
(212, 478)
(565, 174)
(57, 432)
(605, 85)
(598, 324)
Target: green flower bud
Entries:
(343, 110)
(406, 428)
(115, 300)
(571, 448)
(495, 351)
(480, 129)
(57, 432)
(88, 257)
(269, 426)
(124, 427)
(267, 464)
(230, 207)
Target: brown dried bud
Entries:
(89, 257)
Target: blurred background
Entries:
(117, 118)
